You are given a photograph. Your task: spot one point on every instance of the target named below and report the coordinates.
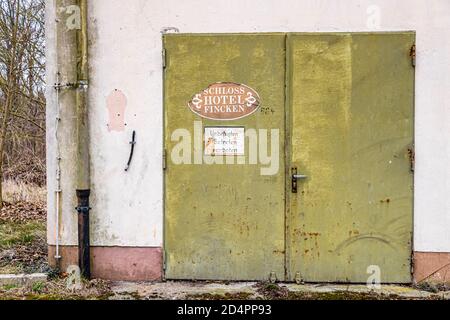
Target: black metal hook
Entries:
(133, 143)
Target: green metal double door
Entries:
(343, 107)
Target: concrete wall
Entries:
(125, 54)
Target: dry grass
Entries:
(17, 191)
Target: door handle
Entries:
(295, 177)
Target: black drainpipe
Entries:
(84, 256)
(83, 142)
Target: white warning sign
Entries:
(224, 141)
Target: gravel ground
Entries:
(58, 289)
(174, 290)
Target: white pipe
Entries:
(58, 171)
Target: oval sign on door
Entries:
(225, 101)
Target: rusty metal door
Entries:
(344, 104)
(351, 101)
(223, 221)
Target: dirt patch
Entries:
(25, 258)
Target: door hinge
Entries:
(412, 54)
(164, 260)
(164, 159)
(412, 158)
(164, 58)
(164, 266)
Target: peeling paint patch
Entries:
(116, 103)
